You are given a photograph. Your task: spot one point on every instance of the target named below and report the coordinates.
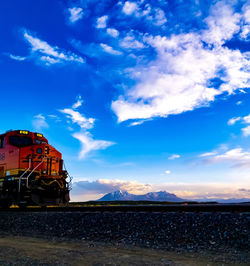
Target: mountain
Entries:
(151, 196)
(160, 196)
(118, 195)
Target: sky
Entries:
(137, 95)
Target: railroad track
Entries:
(244, 207)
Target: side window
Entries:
(1, 142)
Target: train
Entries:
(31, 171)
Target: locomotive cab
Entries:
(31, 170)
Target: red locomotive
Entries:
(31, 171)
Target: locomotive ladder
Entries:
(27, 178)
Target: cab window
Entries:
(38, 141)
(20, 141)
(1, 142)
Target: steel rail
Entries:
(244, 207)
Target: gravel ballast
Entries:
(168, 231)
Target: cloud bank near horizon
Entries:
(93, 190)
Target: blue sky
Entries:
(137, 95)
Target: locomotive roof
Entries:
(23, 132)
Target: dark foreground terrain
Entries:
(125, 238)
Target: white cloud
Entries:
(55, 118)
(39, 122)
(76, 13)
(207, 154)
(244, 120)
(245, 31)
(159, 18)
(168, 172)
(48, 54)
(129, 8)
(89, 144)
(130, 42)
(101, 22)
(180, 78)
(79, 119)
(239, 103)
(110, 49)
(174, 156)
(246, 131)
(78, 102)
(17, 57)
(92, 190)
(233, 120)
(242, 91)
(155, 16)
(136, 123)
(113, 32)
(48, 60)
(236, 157)
(223, 23)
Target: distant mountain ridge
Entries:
(151, 196)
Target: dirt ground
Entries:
(36, 251)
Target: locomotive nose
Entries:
(39, 150)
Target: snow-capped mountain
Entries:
(159, 196)
(151, 196)
(118, 195)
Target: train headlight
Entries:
(39, 135)
(47, 150)
(24, 132)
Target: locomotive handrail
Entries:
(70, 177)
(20, 177)
(27, 178)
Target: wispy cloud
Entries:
(236, 157)
(156, 16)
(78, 118)
(233, 120)
(46, 54)
(88, 143)
(78, 102)
(110, 49)
(159, 17)
(75, 14)
(131, 42)
(207, 154)
(246, 131)
(181, 77)
(243, 120)
(39, 122)
(17, 57)
(101, 22)
(174, 156)
(113, 32)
